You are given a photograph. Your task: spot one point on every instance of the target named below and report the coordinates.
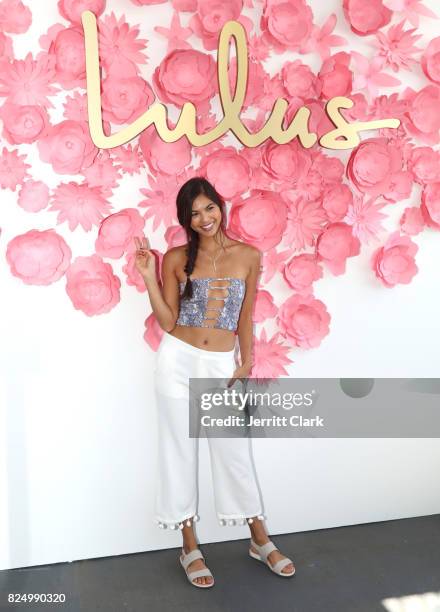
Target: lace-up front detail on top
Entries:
(216, 303)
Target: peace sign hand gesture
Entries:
(145, 261)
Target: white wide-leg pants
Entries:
(236, 493)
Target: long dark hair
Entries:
(185, 198)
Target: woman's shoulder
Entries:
(246, 250)
(176, 253)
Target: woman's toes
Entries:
(288, 569)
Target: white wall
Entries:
(77, 413)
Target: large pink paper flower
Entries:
(67, 49)
(301, 272)
(286, 24)
(335, 245)
(228, 171)
(33, 196)
(210, 17)
(125, 99)
(38, 257)
(68, 147)
(304, 321)
(175, 236)
(424, 163)
(72, 9)
(430, 206)
(365, 218)
(264, 308)
(366, 17)
(372, 165)
(119, 46)
(79, 204)
(270, 357)
(431, 60)
(397, 46)
(15, 17)
(186, 75)
(92, 286)
(103, 173)
(23, 124)
(160, 200)
(13, 169)
(299, 80)
(335, 77)
(412, 221)
(304, 220)
(422, 118)
(259, 219)
(129, 158)
(394, 262)
(335, 201)
(116, 232)
(286, 162)
(165, 157)
(28, 81)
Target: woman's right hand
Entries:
(145, 261)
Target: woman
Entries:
(208, 289)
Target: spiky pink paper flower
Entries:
(79, 204)
(305, 221)
(28, 81)
(270, 357)
(119, 46)
(365, 218)
(160, 200)
(397, 46)
(129, 158)
(13, 169)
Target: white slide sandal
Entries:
(186, 559)
(264, 551)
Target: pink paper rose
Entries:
(424, 163)
(165, 157)
(116, 232)
(67, 49)
(394, 262)
(23, 124)
(72, 9)
(286, 162)
(33, 196)
(430, 206)
(299, 80)
(259, 219)
(92, 286)
(210, 17)
(175, 236)
(264, 308)
(153, 332)
(286, 24)
(125, 99)
(412, 222)
(431, 60)
(303, 320)
(422, 118)
(335, 200)
(38, 257)
(68, 147)
(255, 82)
(228, 171)
(301, 272)
(15, 17)
(335, 76)
(366, 17)
(186, 75)
(335, 244)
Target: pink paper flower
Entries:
(119, 46)
(72, 9)
(125, 99)
(424, 163)
(177, 35)
(301, 272)
(67, 50)
(23, 124)
(322, 39)
(211, 16)
(430, 206)
(33, 196)
(431, 60)
(304, 220)
(273, 262)
(299, 80)
(28, 81)
(129, 158)
(184, 5)
(335, 201)
(160, 200)
(186, 75)
(259, 219)
(366, 17)
(335, 76)
(410, 9)
(79, 204)
(270, 357)
(228, 171)
(38, 257)
(422, 118)
(411, 221)
(75, 107)
(369, 75)
(335, 245)
(92, 286)
(68, 147)
(15, 17)
(286, 162)
(175, 236)
(365, 218)
(13, 169)
(394, 262)
(286, 24)
(165, 157)
(397, 47)
(264, 308)
(153, 332)
(372, 164)
(256, 79)
(116, 232)
(304, 321)
(102, 173)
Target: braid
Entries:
(193, 247)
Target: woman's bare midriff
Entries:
(205, 338)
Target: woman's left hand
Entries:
(242, 372)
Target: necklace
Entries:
(214, 259)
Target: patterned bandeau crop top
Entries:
(216, 303)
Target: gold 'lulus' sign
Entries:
(344, 136)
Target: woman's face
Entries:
(206, 216)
